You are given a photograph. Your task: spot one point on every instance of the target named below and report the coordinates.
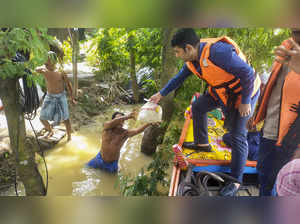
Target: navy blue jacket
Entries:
(224, 56)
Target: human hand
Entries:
(289, 57)
(155, 123)
(74, 101)
(155, 98)
(244, 109)
(133, 115)
(40, 70)
(250, 125)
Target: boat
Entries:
(212, 166)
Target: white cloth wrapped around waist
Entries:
(55, 108)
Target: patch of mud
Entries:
(92, 101)
(7, 170)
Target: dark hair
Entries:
(185, 36)
(115, 114)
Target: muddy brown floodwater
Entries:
(68, 175)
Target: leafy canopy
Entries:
(32, 42)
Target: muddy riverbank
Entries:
(92, 101)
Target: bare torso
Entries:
(54, 81)
(112, 142)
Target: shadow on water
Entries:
(66, 162)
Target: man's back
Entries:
(113, 138)
(112, 142)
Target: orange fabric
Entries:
(214, 75)
(184, 130)
(198, 162)
(261, 112)
(262, 109)
(290, 95)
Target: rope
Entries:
(198, 184)
(30, 103)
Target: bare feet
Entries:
(42, 132)
(50, 134)
(69, 138)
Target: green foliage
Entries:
(148, 45)
(112, 51)
(147, 184)
(149, 86)
(90, 46)
(33, 41)
(67, 48)
(111, 54)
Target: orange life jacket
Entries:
(219, 81)
(290, 95)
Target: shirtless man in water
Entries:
(113, 138)
(55, 105)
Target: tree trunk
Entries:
(152, 137)
(75, 52)
(135, 87)
(25, 157)
(169, 68)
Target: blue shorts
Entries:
(98, 163)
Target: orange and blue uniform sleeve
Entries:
(176, 81)
(223, 55)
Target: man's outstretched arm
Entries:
(173, 84)
(40, 70)
(115, 122)
(139, 130)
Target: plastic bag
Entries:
(150, 112)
